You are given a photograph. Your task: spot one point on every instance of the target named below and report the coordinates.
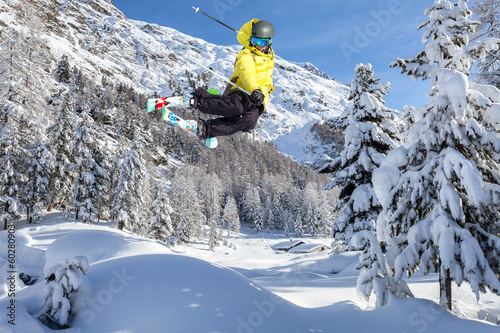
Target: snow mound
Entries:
(137, 248)
(340, 262)
(94, 244)
(30, 257)
(177, 293)
(21, 238)
(168, 291)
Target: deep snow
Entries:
(139, 285)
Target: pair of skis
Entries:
(162, 104)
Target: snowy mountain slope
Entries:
(102, 42)
(139, 285)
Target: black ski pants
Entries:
(238, 113)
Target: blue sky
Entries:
(333, 35)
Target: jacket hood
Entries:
(244, 37)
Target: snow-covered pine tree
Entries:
(104, 155)
(287, 221)
(186, 216)
(40, 164)
(213, 234)
(432, 192)
(103, 114)
(131, 191)
(160, 149)
(298, 226)
(277, 210)
(23, 60)
(13, 68)
(63, 70)
(309, 205)
(121, 97)
(316, 210)
(324, 216)
(160, 223)
(369, 135)
(60, 135)
(309, 218)
(292, 200)
(489, 167)
(78, 81)
(274, 188)
(10, 205)
(268, 216)
(89, 184)
(62, 283)
(230, 216)
(11, 154)
(252, 212)
(488, 13)
(210, 194)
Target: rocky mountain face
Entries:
(103, 43)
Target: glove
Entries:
(257, 97)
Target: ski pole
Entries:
(198, 10)
(220, 76)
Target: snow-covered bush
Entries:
(62, 282)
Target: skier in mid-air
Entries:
(253, 72)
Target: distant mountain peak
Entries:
(315, 70)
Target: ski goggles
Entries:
(260, 42)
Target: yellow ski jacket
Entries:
(253, 69)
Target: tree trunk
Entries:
(5, 225)
(444, 287)
(121, 224)
(28, 214)
(50, 206)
